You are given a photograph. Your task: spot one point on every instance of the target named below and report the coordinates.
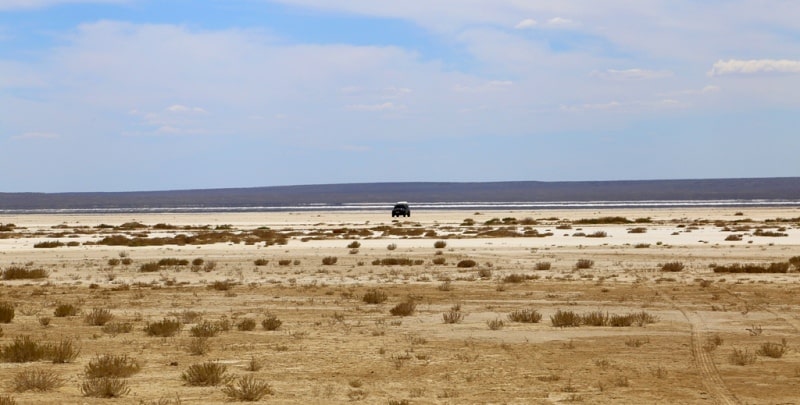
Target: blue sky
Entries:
(124, 95)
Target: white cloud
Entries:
(526, 24)
(560, 22)
(34, 4)
(632, 74)
(178, 108)
(492, 85)
(754, 66)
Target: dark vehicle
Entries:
(401, 209)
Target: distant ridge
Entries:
(786, 188)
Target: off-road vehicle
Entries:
(401, 209)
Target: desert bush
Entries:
(638, 229)
(672, 266)
(439, 261)
(6, 312)
(446, 285)
(733, 238)
(64, 351)
(453, 316)
(518, 278)
(641, 246)
(742, 357)
(603, 221)
(23, 273)
(495, 324)
(206, 374)
(752, 268)
(63, 310)
(584, 264)
(198, 346)
(23, 350)
(246, 324)
(44, 320)
(164, 328)
(105, 387)
(113, 262)
(542, 266)
(261, 262)
(7, 400)
(98, 317)
(247, 388)
(354, 244)
(271, 322)
(127, 261)
(329, 260)
(564, 319)
(597, 234)
(284, 262)
(149, 267)
(394, 261)
(112, 365)
(774, 350)
(198, 261)
(205, 329)
(48, 244)
(404, 308)
(485, 273)
(595, 318)
(35, 380)
(440, 244)
(525, 316)
(374, 296)
(466, 263)
(172, 262)
(115, 328)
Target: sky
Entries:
(132, 95)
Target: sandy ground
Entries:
(333, 347)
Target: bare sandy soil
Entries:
(333, 347)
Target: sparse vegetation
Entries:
(525, 316)
(105, 387)
(63, 310)
(98, 317)
(164, 328)
(440, 244)
(584, 264)
(374, 296)
(271, 322)
(742, 357)
(112, 365)
(6, 312)
(35, 379)
(329, 260)
(466, 263)
(206, 374)
(672, 266)
(774, 350)
(23, 273)
(248, 389)
(404, 308)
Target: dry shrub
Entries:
(485, 273)
(164, 328)
(63, 310)
(271, 322)
(329, 260)
(440, 244)
(248, 389)
(638, 229)
(404, 308)
(467, 263)
(374, 296)
(453, 316)
(23, 273)
(595, 318)
(6, 312)
(496, 324)
(752, 268)
(284, 262)
(23, 350)
(149, 267)
(542, 266)
(7, 400)
(105, 387)
(391, 246)
(222, 285)
(171, 262)
(597, 234)
(246, 324)
(742, 357)
(35, 380)
(65, 351)
(98, 317)
(584, 264)
(672, 266)
(48, 244)
(439, 261)
(261, 262)
(774, 350)
(198, 346)
(112, 365)
(206, 374)
(115, 328)
(564, 319)
(354, 244)
(204, 329)
(525, 316)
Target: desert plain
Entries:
(438, 308)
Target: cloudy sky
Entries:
(123, 95)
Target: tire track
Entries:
(712, 380)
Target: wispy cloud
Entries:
(35, 4)
(754, 66)
(526, 24)
(632, 74)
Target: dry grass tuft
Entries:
(248, 389)
(105, 387)
(6, 312)
(98, 317)
(164, 328)
(525, 316)
(374, 296)
(271, 322)
(206, 374)
(110, 365)
(404, 308)
(35, 380)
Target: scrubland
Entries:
(694, 305)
